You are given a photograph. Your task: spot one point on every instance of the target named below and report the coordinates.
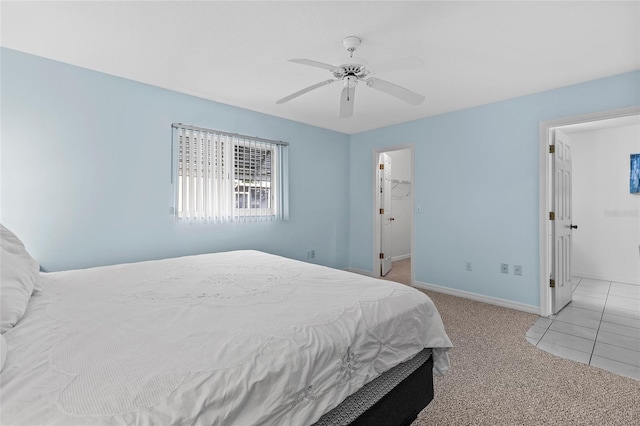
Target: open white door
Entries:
(561, 216)
(384, 179)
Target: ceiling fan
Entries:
(356, 69)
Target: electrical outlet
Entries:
(468, 266)
(504, 268)
(517, 269)
(311, 254)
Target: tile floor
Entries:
(600, 327)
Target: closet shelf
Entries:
(397, 182)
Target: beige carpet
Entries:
(498, 378)
(400, 271)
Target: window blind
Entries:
(225, 177)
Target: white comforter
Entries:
(236, 338)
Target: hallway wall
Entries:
(606, 244)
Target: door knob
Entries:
(392, 218)
(573, 226)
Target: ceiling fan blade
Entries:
(395, 65)
(315, 64)
(305, 90)
(346, 102)
(394, 90)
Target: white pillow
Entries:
(20, 274)
(3, 351)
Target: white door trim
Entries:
(386, 224)
(545, 191)
(376, 208)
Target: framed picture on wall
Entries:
(634, 181)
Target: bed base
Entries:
(401, 406)
(393, 399)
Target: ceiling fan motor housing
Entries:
(356, 70)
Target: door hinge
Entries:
(382, 166)
(552, 216)
(552, 149)
(552, 283)
(381, 255)
(381, 211)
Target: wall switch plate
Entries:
(419, 209)
(468, 266)
(517, 269)
(504, 268)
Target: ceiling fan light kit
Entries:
(350, 81)
(359, 70)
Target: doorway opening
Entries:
(393, 219)
(548, 197)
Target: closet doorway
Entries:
(393, 213)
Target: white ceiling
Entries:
(236, 52)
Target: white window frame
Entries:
(212, 182)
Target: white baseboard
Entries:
(400, 257)
(480, 298)
(626, 280)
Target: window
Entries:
(223, 177)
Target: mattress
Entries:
(235, 338)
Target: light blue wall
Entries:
(476, 178)
(86, 177)
(86, 171)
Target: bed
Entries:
(233, 338)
